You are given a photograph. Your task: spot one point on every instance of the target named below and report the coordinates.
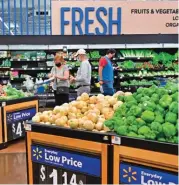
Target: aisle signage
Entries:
(15, 122)
(67, 160)
(130, 174)
(114, 17)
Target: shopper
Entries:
(83, 77)
(106, 73)
(60, 73)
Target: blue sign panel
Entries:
(130, 174)
(20, 115)
(66, 160)
(15, 122)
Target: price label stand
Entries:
(13, 115)
(139, 161)
(58, 155)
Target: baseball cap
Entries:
(80, 52)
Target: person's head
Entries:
(81, 55)
(111, 53)
(59, 60)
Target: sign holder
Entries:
(82, 146)
(143, 155)
(13, 115)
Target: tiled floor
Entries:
(13, 164)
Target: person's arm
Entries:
(83, 73)
(100, 71)
(52, 73)
(102, 64)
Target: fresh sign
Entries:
(81, 24)
(130, 174)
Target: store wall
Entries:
(87, 17)
(25, 17)
(114, 17)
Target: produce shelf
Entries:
(13, 115)
(152, 145)
(28, 60)
(68, 132)
(4, 77)
(30, 69)
(90, 149)
(146, 77)
(5, 68)
(19, 100)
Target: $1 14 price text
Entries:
(50, 175)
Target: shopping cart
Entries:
(42, 90)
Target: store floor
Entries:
(13, 164)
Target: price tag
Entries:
(3, 104)
(16, 122)
(52, 175)
(41, 68)
(27, 127)
(18, 130)
(18, 59)
(116, 140)
(60, 167)
(96, 67)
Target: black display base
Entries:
(156, 146)
(3, 146)
(7, 144)
(20, 100)
(71, 133)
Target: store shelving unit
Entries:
(52, 44)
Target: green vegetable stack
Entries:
(95, 54)
(150, 113)
(12, 93)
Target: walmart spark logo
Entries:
(37, 153)
(129, 174)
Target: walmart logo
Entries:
(129, 174)
(37, 153)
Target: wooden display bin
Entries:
(58, 155)
(144, 162)
(13, 115)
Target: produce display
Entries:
(87, 113)
(150, 113)
(9, 93)
(136, 53)
(140, 82)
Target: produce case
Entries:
(13, 115)
(138, 161)
(58, 155)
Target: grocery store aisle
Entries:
(13, 164)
